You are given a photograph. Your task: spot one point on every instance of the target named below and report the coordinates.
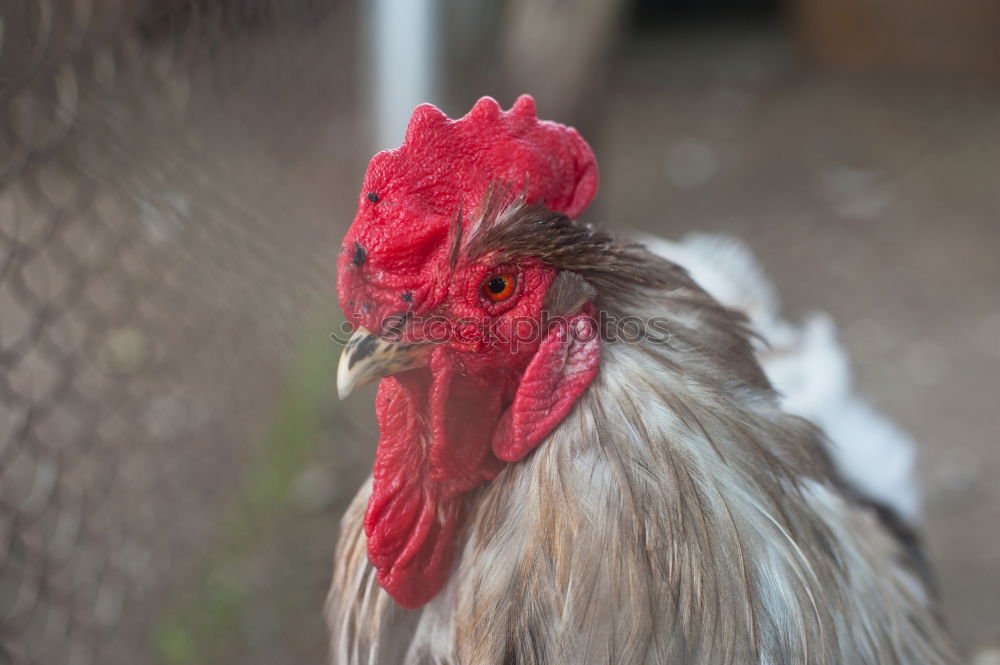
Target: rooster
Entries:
(581, 458)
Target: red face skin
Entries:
(492, 390)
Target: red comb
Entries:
(411, 195)
(444, 164)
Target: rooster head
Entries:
(461, 303)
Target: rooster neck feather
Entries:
(677, 515)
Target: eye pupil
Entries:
(497, 285)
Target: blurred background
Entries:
(175, 177)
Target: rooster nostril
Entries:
(359, 255)
(407, 297)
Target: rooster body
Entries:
(675, 513)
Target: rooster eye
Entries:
(499, 287)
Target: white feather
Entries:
(809, 368)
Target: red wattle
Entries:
(424, 465)
(422, 472)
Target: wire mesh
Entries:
(163, 250)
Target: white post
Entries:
(403, 43)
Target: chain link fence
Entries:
(166, 282)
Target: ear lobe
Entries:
(559, 373)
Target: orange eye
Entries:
(499, 287)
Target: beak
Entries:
(367, 357)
